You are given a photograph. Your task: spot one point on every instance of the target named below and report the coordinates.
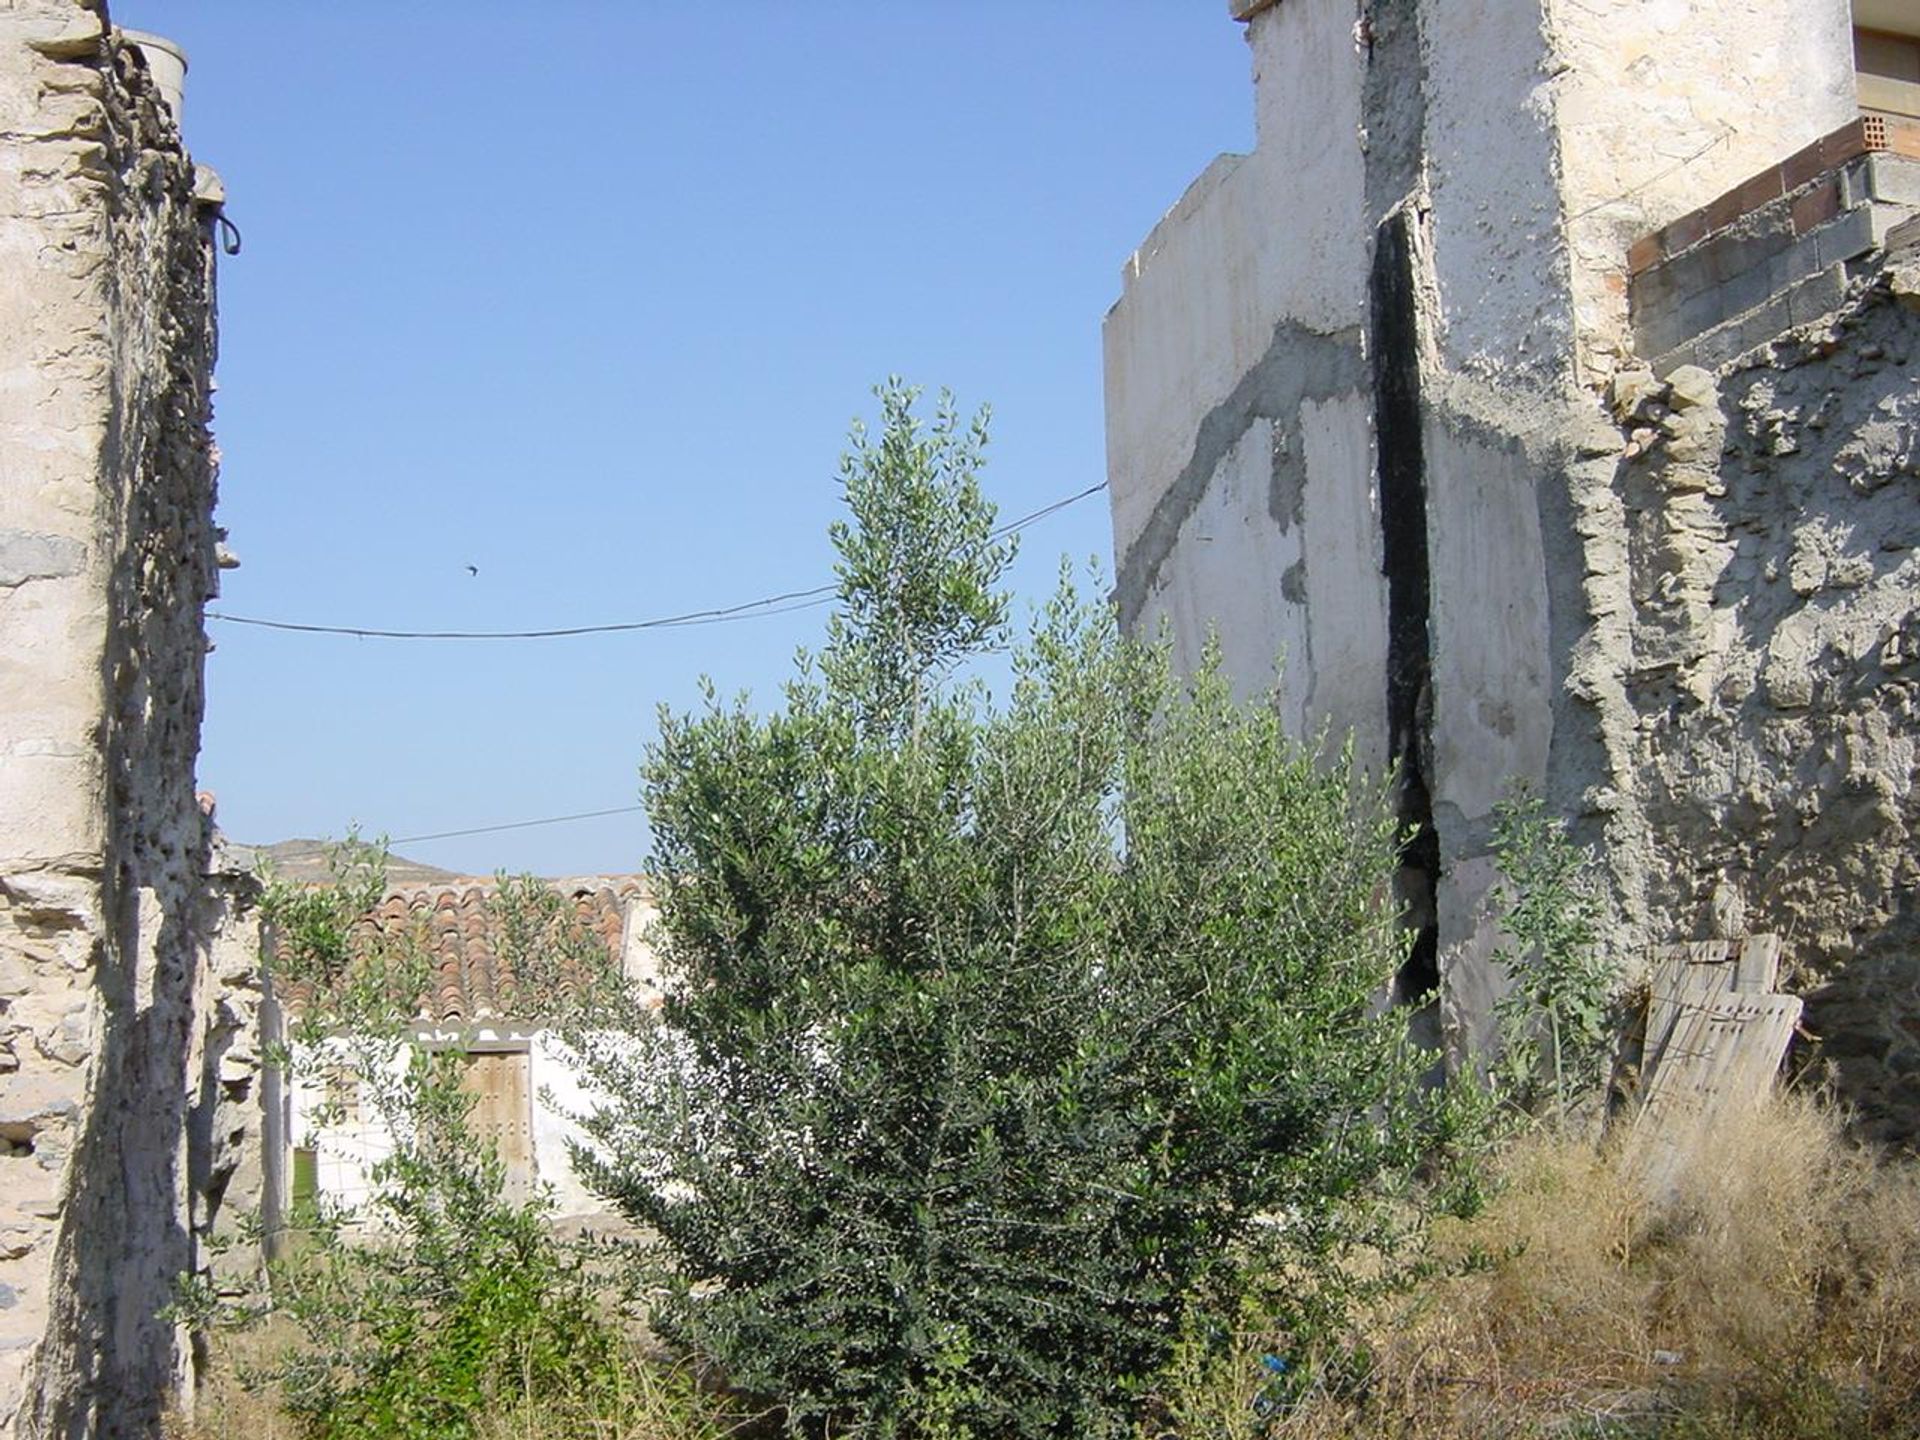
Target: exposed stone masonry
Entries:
(1633, 523)
(107, 553)
(1766, 730)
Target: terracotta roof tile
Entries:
(462, 935)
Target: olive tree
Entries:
(995, 1040)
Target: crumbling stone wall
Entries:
(234, 1089)
(1765, 733)
(107, 553)
(1381, 396)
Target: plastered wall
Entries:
(1236, 397)
(1661, 104)
(106, 557)
(1466, 319)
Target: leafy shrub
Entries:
(437, 1299)
(1559, 1021)
(995, 1043)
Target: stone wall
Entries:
(107, 553)
(1374, 401)
(1767, 737)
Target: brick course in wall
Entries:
(1774, 251)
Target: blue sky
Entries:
(585, 296)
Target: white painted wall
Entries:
(1256, 239)
(1261, 249)
(1232, 536)
(346, 1152)
(1346, 611)
(1551, 134)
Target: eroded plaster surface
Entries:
(107, 554)
(1680, 610)
(1661, 104)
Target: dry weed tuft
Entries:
(1775, 1292)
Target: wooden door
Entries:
(503, 1113)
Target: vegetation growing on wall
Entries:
(1560, 1021)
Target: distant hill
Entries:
(306, 860)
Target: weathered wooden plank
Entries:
(1718, 1058)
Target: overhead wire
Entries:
(769, 605)
(515, 825)
(782, 604)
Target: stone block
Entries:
(1768, 323)
(1742, 250)
(1660, 328)
(1719, 345)
(1894, 179)
(1854, 187)
(1818, 296)
(1666, 363)
(1847, 238)
(1794, 264)
(1745, 291)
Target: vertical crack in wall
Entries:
(1395, 353)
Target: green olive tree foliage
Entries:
(994, 1041)
(1561, 1017)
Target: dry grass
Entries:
(1775, 1294)
(646, 1400)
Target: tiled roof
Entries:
(463, 937)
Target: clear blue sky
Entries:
(585, 295)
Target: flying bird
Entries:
(473, 569)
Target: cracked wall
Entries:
(106, 557)
(1431, 240)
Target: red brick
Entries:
(1873, 131)
(1690, 229)
(1801, 166)
(1765, 186)
(1645, 253)
(1817, 206)
(1723, 211)
(1843, 144)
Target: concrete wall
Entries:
(1237, 430)
(106, 555)
(1428, 252)
(1334, 375)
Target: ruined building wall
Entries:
(107, 553)
(1467, 577)
(1237, 396)
(1661, 105)
(1767, 766)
